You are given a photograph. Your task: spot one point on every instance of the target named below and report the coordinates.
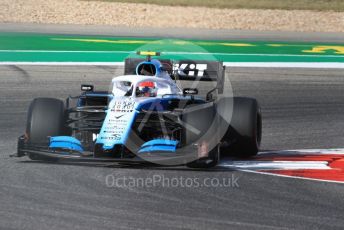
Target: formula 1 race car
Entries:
(146, 118)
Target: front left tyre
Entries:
(46, 118)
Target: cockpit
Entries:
(142, 86)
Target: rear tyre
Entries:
(46, 117)
(244, 133)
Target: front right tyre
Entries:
(244, 133)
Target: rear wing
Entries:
(186, 70)
(191, 70)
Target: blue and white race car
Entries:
(147, 117)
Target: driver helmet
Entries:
(146, 89)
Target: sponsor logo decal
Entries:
(117, 117)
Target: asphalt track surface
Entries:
(301, 109)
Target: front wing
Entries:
(44, 152)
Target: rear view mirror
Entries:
(87, 87)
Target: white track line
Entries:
(273, 165)
(64, 63)
(312, 65)
(294, 177)
(302, 152)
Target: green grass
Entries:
(317, 5)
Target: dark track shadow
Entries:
(126, 166)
